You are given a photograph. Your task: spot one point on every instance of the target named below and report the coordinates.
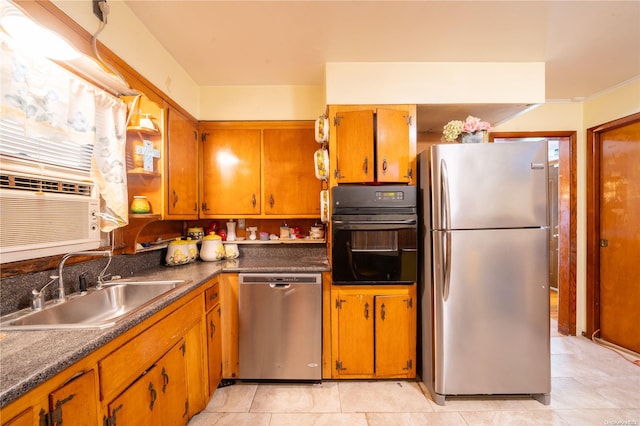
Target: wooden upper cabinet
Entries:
(291, 187)
(354, 135)
(392, 146)
(373, 144)
(230, 172)
(182, 167)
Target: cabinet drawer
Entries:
(211, 296)
(123, 365)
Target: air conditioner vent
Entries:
(33, 184)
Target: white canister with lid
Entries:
(231, 251)
(178, 252)
(212, 248)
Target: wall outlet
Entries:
(241, 223)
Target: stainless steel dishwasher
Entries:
(280, 326)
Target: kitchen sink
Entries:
(94, 310)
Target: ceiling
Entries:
(588, 46)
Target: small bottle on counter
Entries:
(284, 232)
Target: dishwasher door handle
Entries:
(283, 286)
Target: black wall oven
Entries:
(374, 234)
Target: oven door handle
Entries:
(368, 225)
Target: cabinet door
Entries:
(355, 334)
(354, 138)
(229, 325)
(195, 356)
(172, 386)
(231, 172)
(395, 335)
(159, 396)
(392, 146)
(182, 167)
(214, 348)
(137, 405)
(291, 186)
(75, 401)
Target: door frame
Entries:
(567, 239)
(594, 144)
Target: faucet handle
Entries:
(37, 300)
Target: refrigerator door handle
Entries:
(445, 208)
(446, 262)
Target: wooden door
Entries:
(355, 335)
(75, 402)
(231, 172)
(354, 138)
(214, 343)
(182, 167)
(620, 236)
(291, 187)
(395, 335)
(392, 146)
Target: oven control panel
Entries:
(389, 195)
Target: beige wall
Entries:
(607, 106)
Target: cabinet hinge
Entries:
(183, 348)
(408, 118)
(339, 366)
(409, 302)
(409, 365)
(203, 137)
(337, 119)
(186, 409)
(55, 416)
(409, 173)
(339, 303)
(44, 418)
(111, 421)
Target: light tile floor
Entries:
(591, 385)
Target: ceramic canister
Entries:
(231, 251)
(178, 252)
(212, 248)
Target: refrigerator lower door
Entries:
(491, 312)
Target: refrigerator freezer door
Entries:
(489, 185)
(491, 318)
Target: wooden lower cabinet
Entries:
(73, 402)
(229, 325)
(214, 348)
(162, 371)
(374, 331)
(214, 336)
(159, 396)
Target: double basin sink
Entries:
(95, 309)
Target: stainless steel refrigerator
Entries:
(484, 280)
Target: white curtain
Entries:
(53, 106)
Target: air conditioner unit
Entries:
(46, 215)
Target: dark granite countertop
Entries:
(29, 358)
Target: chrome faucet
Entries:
(104, 253)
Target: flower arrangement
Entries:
(453, 129)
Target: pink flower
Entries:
(474, 124)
